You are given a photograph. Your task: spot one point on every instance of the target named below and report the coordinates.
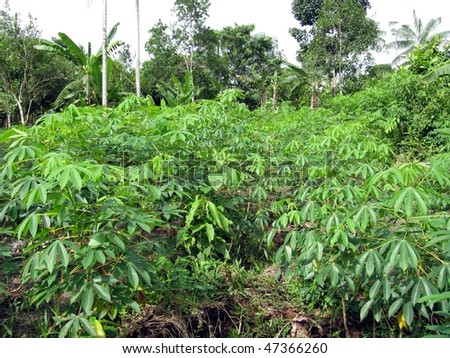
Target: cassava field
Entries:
(211, 220)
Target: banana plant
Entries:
(87, 88)
(177, 93)
(437, 72)
(298, 77)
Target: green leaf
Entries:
(34, 221)
(192, 211)
(408, 313)
(395, 307)
(215, 213)
(270, 237)
(407, 256)
(444, 131)
(437, 72)
(435, 298)
(88, 259)
(100, 256)
(334, 275)
(88, 299)
(50, 258)
(410, 198)
(350, 283)
(370, 264)
(105, 279)
(63, 332)
(75, 178)
(64, 178)
(32, 198)
(144, 275)
(74, 52)
(135, 306)
(439, 236)
(97, 240)
(374, 289)
(288, 253)
(209, 232)
(63, 254)
(415, 293)
(132, 275)
(88, 327)
(365, 310)
(144, 226)
(377, 311)
(102, 292)
(394, 254)
(118, 241)
(387, 291)
(319, 252)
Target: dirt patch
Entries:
(262, 307)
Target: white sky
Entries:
(273, 17)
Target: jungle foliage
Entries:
(224, 205)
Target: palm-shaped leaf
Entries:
(409, 37)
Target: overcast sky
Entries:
(83, 23)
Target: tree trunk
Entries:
(333, 84)
(314, 97)
(104, 56)
(22, 114)
(8, 120)
(138, 52)
(20, 106)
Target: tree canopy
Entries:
(337, 43)
(307, 11)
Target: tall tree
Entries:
(251, 61)
(164, 60)
(138, 50)
(191, 17)
(104, 51)
(105, 55)
(337, 43)
(28, 78)
(307, 11)
(187, 46)
(408, 37)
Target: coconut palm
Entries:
(104, 53)
(138, 52)
(408, 37)
(105, 56)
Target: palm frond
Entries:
(430, 27)
(417, 24)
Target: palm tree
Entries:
(105, 56)
(408, 37)
(138, 52)
(104, 53)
